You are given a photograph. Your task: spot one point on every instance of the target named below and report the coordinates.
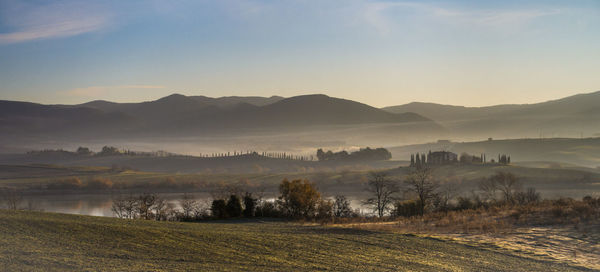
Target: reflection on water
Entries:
(100, 204)
(96, 205)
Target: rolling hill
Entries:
(567, 117)
(554, 151)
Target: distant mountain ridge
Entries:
(180, 115)
(572, 116)
(576, 104)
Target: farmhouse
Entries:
(433, 158)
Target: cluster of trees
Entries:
(113, 151)
(274, 155)
(420, 192)
(386, 193)
(298, 199)
(234, 206)
(366, 154)
(468, 159)
(153, 207)
(504, 159)
(12, 199)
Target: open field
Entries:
(59, 242)
(551, 182)
(564, 229)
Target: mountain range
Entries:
(567, 117)
(295, 124)
(180, 115)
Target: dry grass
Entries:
(566, 230)
(33, 241)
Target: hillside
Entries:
(570, 116)
(246, 163)
(59, 242)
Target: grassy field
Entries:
(31, 241)
(551, 182)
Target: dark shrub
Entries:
(528, 197)
(324, 210)
(341, 207)
(267, 209)
(464, 203)
(407, 208)
(234, 206)
(218, 208)
(249, 205)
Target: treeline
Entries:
(420, 192)
(366, 154)
(298, 199)
(105, 151)
(114, 151)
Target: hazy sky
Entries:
(378, 52)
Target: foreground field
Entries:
(58, 242)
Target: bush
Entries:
(267, 209)
(218, 208)
(299, 198)
(464, 203)
(341, 207)
(407, 208)
(527, 197)
(234, 206)
(324, 210)
(249, 205)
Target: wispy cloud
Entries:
(377, 14)
(99, 91)
(57, 19)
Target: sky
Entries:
(381, 53)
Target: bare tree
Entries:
(421, 183)
(489, 189)
(383, 190)
(13, 198)
(507, 183)
(341, 207)
(160, 209)
(125, 206)
(446, 193)
(145, 205)
(187, 204)
(118, 207)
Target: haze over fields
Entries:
(295, 135)
(194, 125)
